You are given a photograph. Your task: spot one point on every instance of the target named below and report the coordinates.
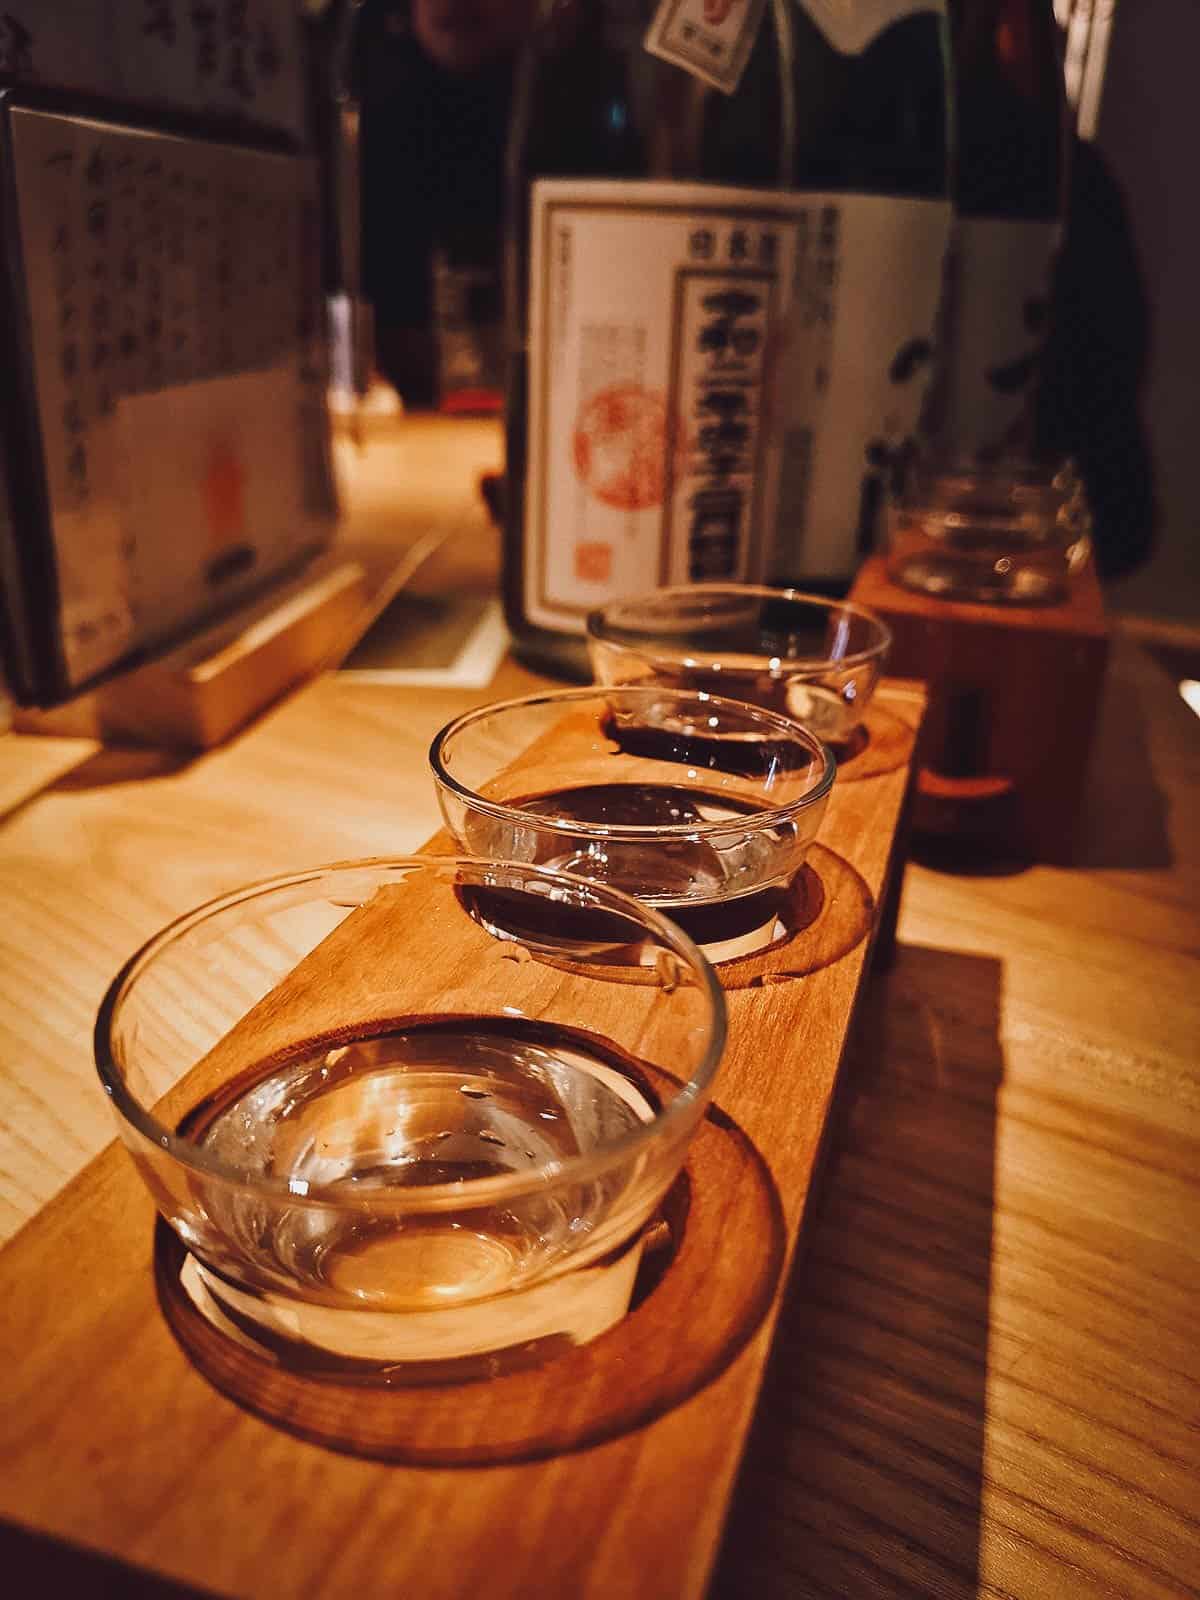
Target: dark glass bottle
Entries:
(720, 305)
(1008, 200)
(435, 83)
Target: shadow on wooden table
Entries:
(123, 764)
(1123, 818)
(35, 1564)
(864, 1472)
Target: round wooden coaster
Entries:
(690, 1318)
(830, 912)
(827, 910)
(881, 743)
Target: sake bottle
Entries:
(1008, 202)
(726, 229)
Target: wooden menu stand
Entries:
(114, 1443)
(205, 689)
(1014, 692)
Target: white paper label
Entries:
(855, 371)
(656, 310)
(998, 289)
(850, 25)
(711, 39)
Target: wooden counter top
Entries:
(988, 1378)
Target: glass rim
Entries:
(459, 1195)
(768, 817)
(601, 616)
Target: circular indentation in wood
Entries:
(880, 743)
(830, 911)
(976, 808)
(694, 1308)
(967, 791)
(823, 914)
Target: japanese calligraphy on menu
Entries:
(234, 58)
(175, 351)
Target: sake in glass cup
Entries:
(702, 807)
(818, 661)
(400, 1138)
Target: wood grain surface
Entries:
(599, 1521)
(986, 1380)
(1014, 692)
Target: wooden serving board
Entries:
(113, 1443)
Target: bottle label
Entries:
(998, 291)
(711, 39)
(851, 25)
(854, 372)
(656, 310)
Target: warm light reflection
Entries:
(1189, 688)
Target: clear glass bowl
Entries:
(700, 806)
(815, 660)
(399, 1112)
(1006, 534)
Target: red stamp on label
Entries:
(593, 562)
(620, 446)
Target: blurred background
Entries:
(1119, 380)
(394, 263)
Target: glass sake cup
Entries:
(399, 1140)
(700, 806)
(818, 661)
(1002, 534)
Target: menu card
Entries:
(233, 58)
(169, 319)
